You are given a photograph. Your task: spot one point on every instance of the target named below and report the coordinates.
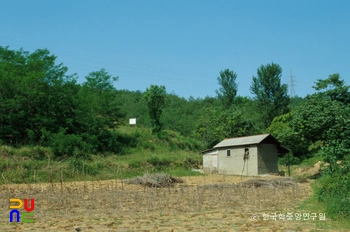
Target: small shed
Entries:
(250, 156)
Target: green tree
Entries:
(98, 111)
(295, 102)
(155, 98)
(270, 94)
(228, 90)
(248, 107)
(36, 93)
(41, 104)
(281, 128)
(334, 88)
(100, 80)
(98, 108)
(132, 106)
(318, 122)
(216, 124)
(331, 125)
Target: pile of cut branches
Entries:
(157, 180)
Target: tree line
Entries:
(41, 104)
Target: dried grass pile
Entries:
(272, 183)
(157, 180)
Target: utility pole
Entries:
(292, 93)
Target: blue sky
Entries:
(183, 44)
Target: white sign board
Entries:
(132, 121)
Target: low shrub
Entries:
(148, 146)
(42, 152)
(63, 144)
(6, 151)
(333, 189)
(135, 163)
(193, 161)
(112, 141)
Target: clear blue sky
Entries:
(183, 44)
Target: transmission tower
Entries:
(292, 81)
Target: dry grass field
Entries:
(201, 203)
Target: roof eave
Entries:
(211, 149)
(283, 149)
(240, 145)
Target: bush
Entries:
(176, 141)
(37, 152)
(42, 152)
(148, 145)
(6, 151)
(63, 144)
(135, 164)
(334, 188)
(163, 135)
(112, 141)
(194, 162)
(108, 141)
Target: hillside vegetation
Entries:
(168, 152)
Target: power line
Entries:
(292, 81)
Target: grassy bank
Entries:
(313, 205)
(167, 152)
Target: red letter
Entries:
(31, 205)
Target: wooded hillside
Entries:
(41, 104)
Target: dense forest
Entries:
(42, 105)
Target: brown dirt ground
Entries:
(202, 203)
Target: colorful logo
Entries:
(27, 216)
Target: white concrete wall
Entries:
(267, 159)
(234, 164)
(210, 162)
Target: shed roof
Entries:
(247, 140)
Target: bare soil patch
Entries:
(201, 203)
